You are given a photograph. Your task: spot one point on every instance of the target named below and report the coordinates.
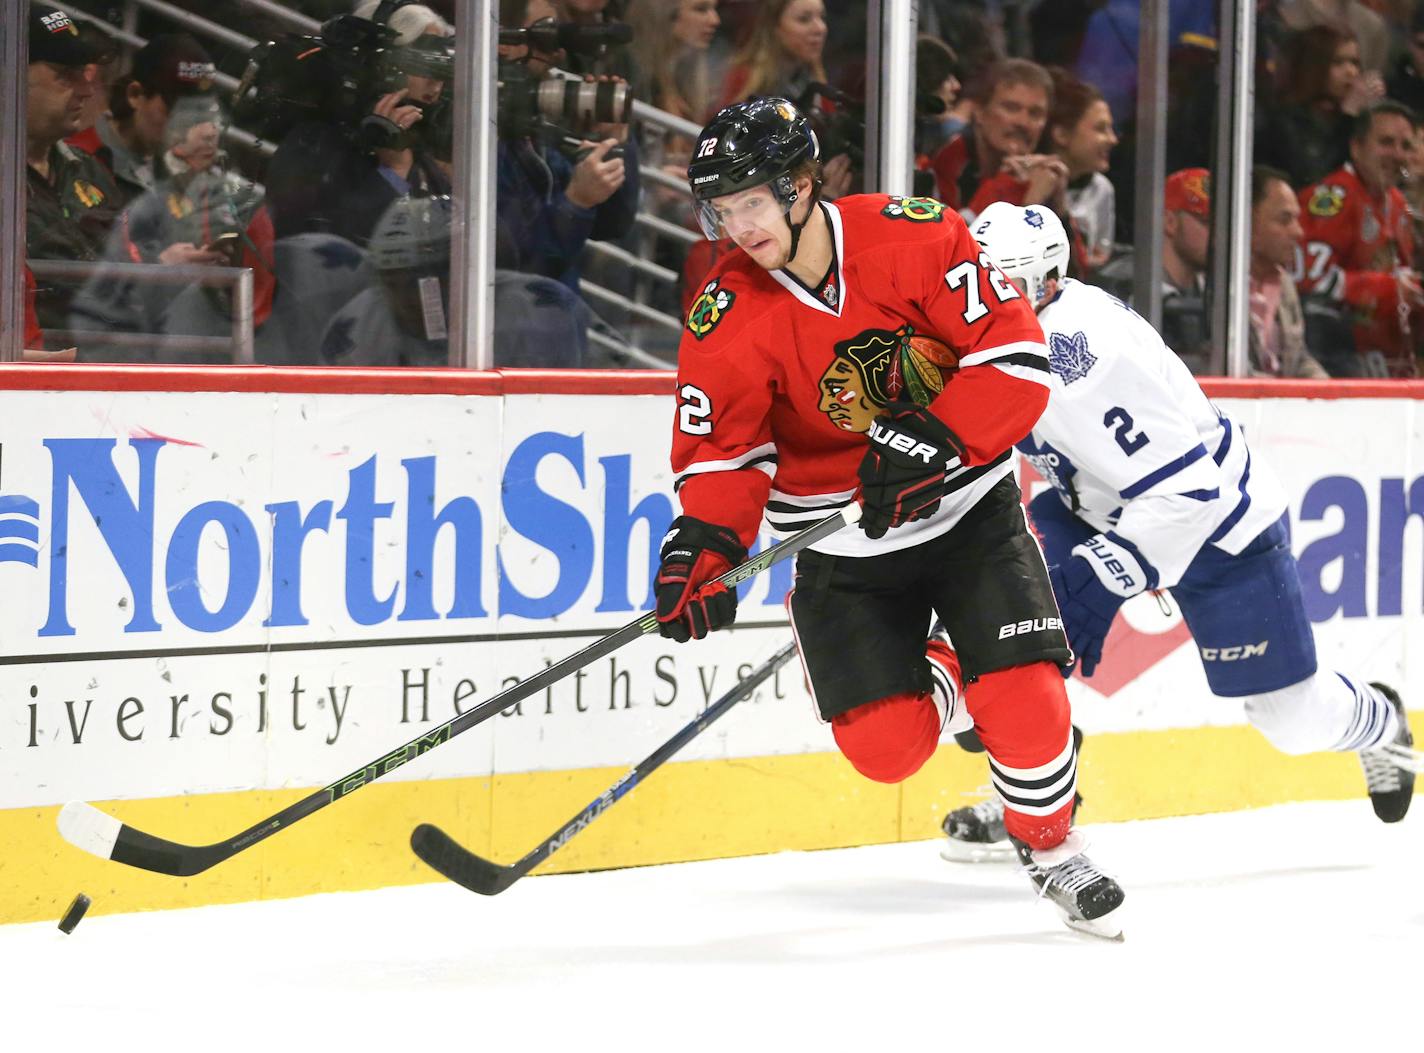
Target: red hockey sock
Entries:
(1022, 717)
(890, 739)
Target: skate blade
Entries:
(977, 851)
(1105, 928)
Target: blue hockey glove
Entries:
(1091, 585)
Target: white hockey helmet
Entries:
(1027, 242)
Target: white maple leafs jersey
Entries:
(1135, 448)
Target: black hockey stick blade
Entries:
(100, 834)
(443, 853)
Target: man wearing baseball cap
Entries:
(1186, 230)
(172, 71)
(70, 199)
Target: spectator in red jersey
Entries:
(1277, 340)
(1321, 91)
(993, 159)
(1359, 242)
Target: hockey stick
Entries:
(443, 853)
(100, 834)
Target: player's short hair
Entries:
(1262, 176)
(1365, 119)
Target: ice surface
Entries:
(1297, 927)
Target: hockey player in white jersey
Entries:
(1154, 488)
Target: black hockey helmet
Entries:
(754, 143)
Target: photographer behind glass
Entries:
(361, 114)
(567, 171)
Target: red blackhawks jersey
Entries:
(778, 383)
(1354, 241)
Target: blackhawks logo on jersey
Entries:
(87, 194)
(917, 209)
(1326, 201)
(877, 367)
(709, 308)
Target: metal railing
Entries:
(238, 279)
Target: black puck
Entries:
(74, 913)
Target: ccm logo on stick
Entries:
(898, 440)
(1031, 625)
(1234, 654)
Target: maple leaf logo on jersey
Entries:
(876, 367)
(709, 309)
(917, 209)
(1069, 357)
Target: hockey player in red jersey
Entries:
(866, 350)
(1359, 241)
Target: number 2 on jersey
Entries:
(966, 274)
(1129, 442)
(693, 416)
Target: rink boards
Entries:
(223, 589)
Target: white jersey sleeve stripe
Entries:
(1166, 471)
(762, 458)
(1022, 352)
(1022, 372)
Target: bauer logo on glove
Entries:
(902, 476)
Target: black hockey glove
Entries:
(1090, 585)
(902, 474)
(693, 554)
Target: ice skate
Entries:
(1390, 768)
(1089, 899)
(976, 834)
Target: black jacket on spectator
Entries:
(540, 231)
(1302, 142)
(67, 217)
(320, 181)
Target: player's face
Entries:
(1275, 226)
(1012, 121)
(1382, 156)
(756, 221)
(1088, 147)
(843, 398)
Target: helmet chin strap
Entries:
(796, 228)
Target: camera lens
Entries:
(583, 103)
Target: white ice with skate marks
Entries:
(1295, 927)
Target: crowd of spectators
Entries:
(338, 198)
